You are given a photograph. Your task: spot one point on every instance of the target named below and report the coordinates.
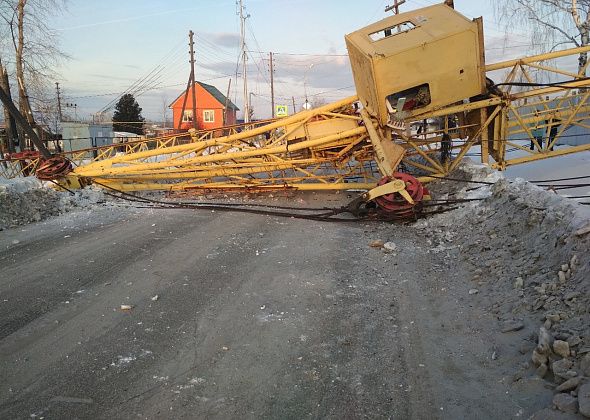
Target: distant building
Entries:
(78, 136)
(211, 105)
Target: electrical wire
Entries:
(555, 84)
(561, 179)
(141, 82)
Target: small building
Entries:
(78, 136)
(211, 105)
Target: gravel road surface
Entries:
(242, 316)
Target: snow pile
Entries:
(27, 200)
(528, 252)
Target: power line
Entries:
(149, 76)
(159, 87)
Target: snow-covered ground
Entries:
(567, 166)
(558, 167)
(26, 200)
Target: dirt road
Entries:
(243, 316)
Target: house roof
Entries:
(213, 91)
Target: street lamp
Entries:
(306, 105)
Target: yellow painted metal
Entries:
(387, 154)
(397, 186)
(539, 156)
(536, 58)
(435, 47)
(140, 186)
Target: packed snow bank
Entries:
(528, 250)
(26, 200)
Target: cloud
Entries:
(319, 72)
(221, 67)
(111, 77)
(513, 46)
(229, 40)
(507, 47)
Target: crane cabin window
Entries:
(410, 99)
(392, 31)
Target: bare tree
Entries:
(561, 22)
(34, 47)
(318, 101)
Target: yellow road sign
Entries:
(282, 111)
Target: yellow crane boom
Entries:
(425, 98)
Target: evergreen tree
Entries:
(127, 116)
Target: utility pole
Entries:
(59, 114)
(243, 18)
(192, 46)
(272, 85)
(11, 129)
(191, 82)
(226, 103)
(395, 6)
(294, 109)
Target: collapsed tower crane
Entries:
(425, 97)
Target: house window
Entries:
(187, 116)
(209, 116)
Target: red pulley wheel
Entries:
(394, 206)
(54, 167)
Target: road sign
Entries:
(281, 111)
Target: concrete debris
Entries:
(566, 403)
(389, 247)
(585, 364)
(549, 414)
(377, 244)
(539, 358)
(569, 385)
(533, 246)
(561, 348)
(473, 291)
(584, 399)
(126, 307)
(561, 368)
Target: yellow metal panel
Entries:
(318, 129)
(442, 51)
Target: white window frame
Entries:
(187, 116)
(400, 28)
(209, 115)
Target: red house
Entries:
(210, 108)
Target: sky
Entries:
(114, 44)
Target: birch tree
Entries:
(31, 46)
(554, 23)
